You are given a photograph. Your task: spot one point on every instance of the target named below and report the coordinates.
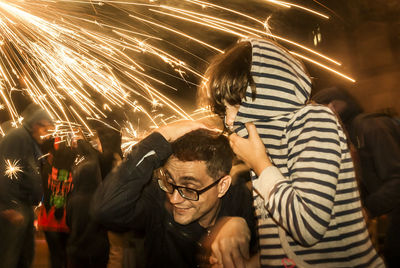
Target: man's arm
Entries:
(119, 203)
(11, 153)
(233, 239)
(122, 200)
(229, 242)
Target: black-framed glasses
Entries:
(185, 192)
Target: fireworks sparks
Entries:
(129, 138)
(289, 5)
(12, 169)
(64, 66)
(79, 160)
(81, 59)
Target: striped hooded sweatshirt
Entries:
(307, 204)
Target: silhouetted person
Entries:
(22, 189)
(376, 136)
(57, 184)
(87, 243)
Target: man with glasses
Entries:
(190, 195)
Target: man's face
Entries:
(41, 131)
(192, 174)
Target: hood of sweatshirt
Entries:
(33, 114)
(282, 84)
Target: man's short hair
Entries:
(208, 146)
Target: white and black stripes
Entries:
(313, 214)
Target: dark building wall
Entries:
(369, 45)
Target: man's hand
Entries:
(252, 150)
(229, 242)
(173, 131)
(13, 216)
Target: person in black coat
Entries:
(376, 137)
(87, 244)
(21, 189)
(183, 207)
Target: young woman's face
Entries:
(230, 114)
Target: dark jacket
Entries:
(87, 239)
(129, 198)
(377, 138)
(24, 187)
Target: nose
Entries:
(175, 197)
(230, 114)
(229, 121)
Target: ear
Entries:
(224, 185)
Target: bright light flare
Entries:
(80, 63)
(12, 169)
(324, 66)
(288, 5)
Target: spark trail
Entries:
(81, 59)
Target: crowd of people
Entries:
(319, 171)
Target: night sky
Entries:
(337, 38)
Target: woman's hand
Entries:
(251, 150)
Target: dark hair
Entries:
(33, 114)
(327, 95)
(64, 156)
(227, 78)
(110, 139)
(208, 146)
